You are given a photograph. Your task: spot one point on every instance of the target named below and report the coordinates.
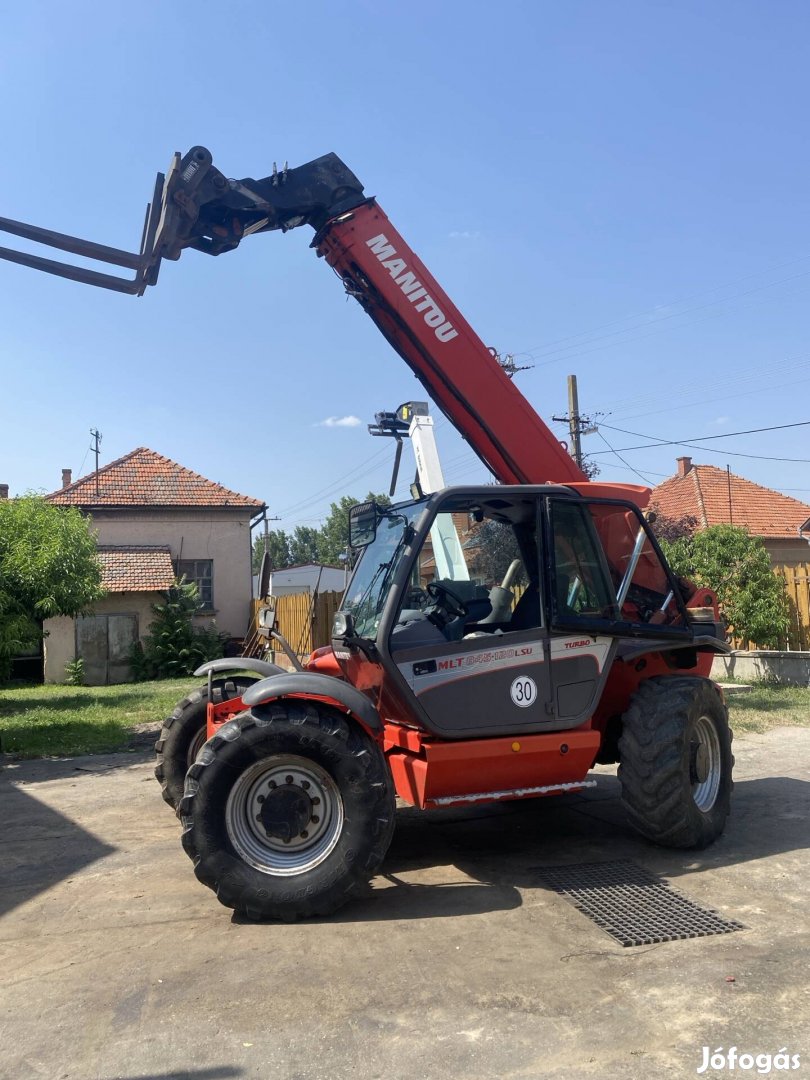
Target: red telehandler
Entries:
(494, 642)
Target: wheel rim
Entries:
(196, 745)
(705, 763)
(284, 815)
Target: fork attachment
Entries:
(195, 205)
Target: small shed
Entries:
(307, 578)
(134, 577)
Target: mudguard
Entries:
(317, 686)
(240, 663)
(702, 642)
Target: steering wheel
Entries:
(451, 603)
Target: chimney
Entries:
(66, 478)
(3, 491)
(684, 465)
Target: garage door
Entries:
(104, 642)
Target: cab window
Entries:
(581, 582)
(476, 574)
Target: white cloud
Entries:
(720, 420)
(464, 234)
(340, 421)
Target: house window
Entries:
(201, 572)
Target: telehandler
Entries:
(494, 642)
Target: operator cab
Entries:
(496, 607)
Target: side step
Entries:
(514, 793)
(430, 772)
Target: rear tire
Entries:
(184, 733)
(288, 811)
(676, 761)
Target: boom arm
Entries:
(197, 206)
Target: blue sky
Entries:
(614, 189)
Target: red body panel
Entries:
(447, 356)
(426, 771)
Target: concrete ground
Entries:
(460, 964)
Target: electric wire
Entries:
(671, 303)
(627, 464)
(698, 394)
(352, 476)
(693, 444)
(552, 357)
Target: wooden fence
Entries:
(797, 582)
(304, 619)
(797, 587)
(306, 622)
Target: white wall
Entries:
(298, 579)
(222, 535)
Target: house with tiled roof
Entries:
(715, 496)
(154, 520)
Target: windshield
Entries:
(368, 588)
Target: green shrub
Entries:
(74, 672)
(174, 647)
(736, 565)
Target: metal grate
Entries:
(632, 905)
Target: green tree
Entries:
(304, 545)
(672, 528)
(278, 546)
(334, 533)
(737, 567)
(48, 566)
(174, 647)
(491, 549)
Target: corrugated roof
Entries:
(716, 497)
(145, 478)
(136, 567)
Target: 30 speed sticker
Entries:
(523, 691)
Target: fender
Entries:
(240, 663)
(314, 685)
(701, 642)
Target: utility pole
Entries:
(574, 420)
(578, 425)
(95, 448)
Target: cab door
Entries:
(484, 673)
(606, 583)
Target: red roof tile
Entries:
(136, 567)
(704, 493)
(144, 478)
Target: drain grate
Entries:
(632, 905)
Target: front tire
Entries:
(185, 731)
(676, 761)
(288, 811)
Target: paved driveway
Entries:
(460, 964)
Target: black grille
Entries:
(632, 905)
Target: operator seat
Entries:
(528, 612)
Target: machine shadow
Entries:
(499, 850)
(40, 847)
(41, 770)
(216, 1072)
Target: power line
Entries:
(706, 438)
(707, 449)
(763, 370)
(551, 350)
(352, 476)
(627, 464)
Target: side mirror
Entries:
(363, 520)
(343, 626)
(267, 618)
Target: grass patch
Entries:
(768, 706)
(60, 721)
